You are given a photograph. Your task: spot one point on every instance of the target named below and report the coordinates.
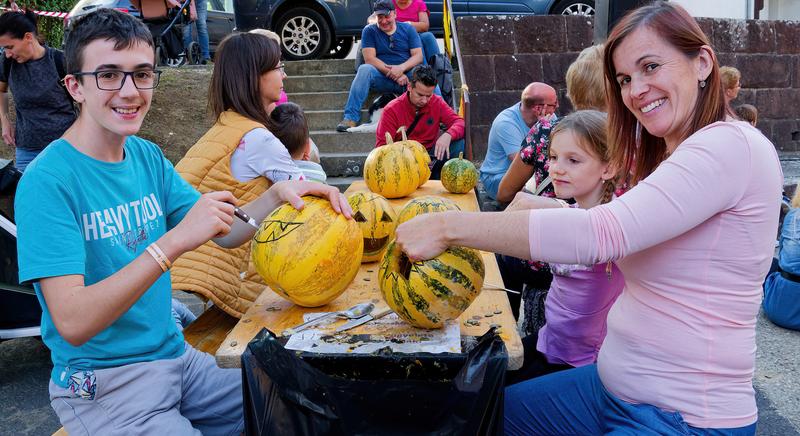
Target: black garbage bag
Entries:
(288, 392)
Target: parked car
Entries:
(220, 19)
(311, 29)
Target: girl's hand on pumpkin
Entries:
(291, 191)
(423, 237)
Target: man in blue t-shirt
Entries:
(391, 49)
(101, 216)
(509, 129)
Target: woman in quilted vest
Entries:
(238, 154)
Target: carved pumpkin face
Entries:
(377, 221)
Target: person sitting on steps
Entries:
(391, 49)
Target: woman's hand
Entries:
(290, 191)
(210, 217)
(423, 237)
(9, 133)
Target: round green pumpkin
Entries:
(459, 175)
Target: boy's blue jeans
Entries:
(23, 157)
(202, 29)
(575, 402)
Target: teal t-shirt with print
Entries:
(79, 215)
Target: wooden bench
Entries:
(206, 334)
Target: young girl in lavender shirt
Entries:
(580, 296)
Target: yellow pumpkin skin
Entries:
(423, 160)
(425, 204)
(391, 171)
(310, 256)
(376, 219)
(428, 293)
(459, 175)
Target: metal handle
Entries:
(307, 324)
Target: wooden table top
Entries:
(277, 314)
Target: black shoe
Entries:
(344, 125)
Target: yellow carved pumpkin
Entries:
(377, 221)
(428, 293)
(307, 256)
(425, 204)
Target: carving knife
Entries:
(245, 217)
(363, 320)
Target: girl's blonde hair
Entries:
(585, 80)
(590, 127)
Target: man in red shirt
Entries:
(422, 113)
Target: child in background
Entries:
(580, 296)
(292, 130)
(747, 112)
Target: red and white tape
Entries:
(45, 13)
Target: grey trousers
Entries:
(189, 395)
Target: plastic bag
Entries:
(298, 393)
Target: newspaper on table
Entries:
(389, 331)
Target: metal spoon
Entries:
(356, 311)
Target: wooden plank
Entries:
(277, 314)
(208, 331)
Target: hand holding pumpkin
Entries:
(290, 191)
(423, 237)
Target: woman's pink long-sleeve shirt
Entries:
(694, 241)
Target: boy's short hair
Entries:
(123, 29)
(268, 33)
(290, 126)
(747, 112)
(423, 74)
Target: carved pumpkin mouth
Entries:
(374, 245)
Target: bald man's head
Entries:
(538, 99)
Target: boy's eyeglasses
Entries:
(114, 80)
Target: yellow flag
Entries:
(446, 22)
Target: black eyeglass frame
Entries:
(125, 75)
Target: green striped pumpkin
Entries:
(425, 204)
(391, 171)
(428, 293)
(420, 153)
(459, 175)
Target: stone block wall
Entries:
(502, 54)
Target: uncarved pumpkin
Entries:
(459, 175)
(428, 293)
(425, 204)
(391, 170)
(376, 219)
(420, 154)
(307, 256)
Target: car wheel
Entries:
(341, 48)
(574, 7)
(304, 34)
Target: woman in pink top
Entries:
(693, 237)
(415, 13)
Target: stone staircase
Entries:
(321, 87)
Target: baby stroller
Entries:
(165, 19)
(20, 313)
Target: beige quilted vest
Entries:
(225, 276)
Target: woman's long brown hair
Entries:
(634, 151)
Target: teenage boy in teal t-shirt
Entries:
(101, 214)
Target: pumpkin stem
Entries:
(389, 140)
(402, 131)
(461, 155)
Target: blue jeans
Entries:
(24, 157)
(575, 402)
(367, 78)
(491, 183)
(202, 29)
(429, 46)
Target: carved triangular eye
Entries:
(386, 218)
(359, 217)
